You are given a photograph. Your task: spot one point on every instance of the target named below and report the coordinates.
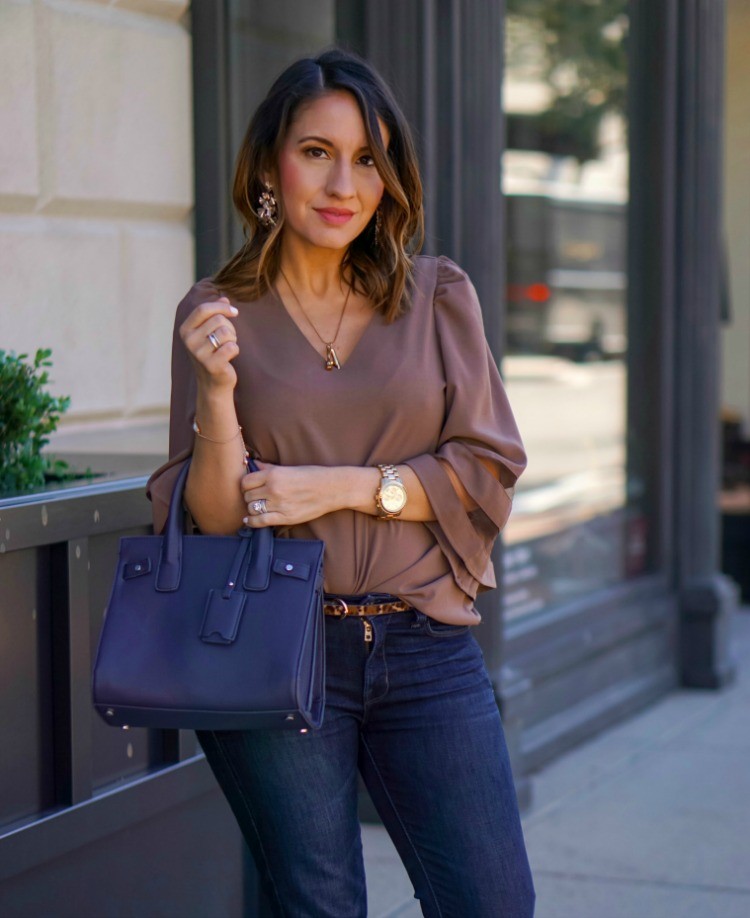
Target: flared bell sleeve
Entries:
(478, 424)
(160, 485)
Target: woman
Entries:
(358, 374)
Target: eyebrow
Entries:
(326, 142)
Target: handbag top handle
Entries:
(170, 560)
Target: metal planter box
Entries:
(94, 821)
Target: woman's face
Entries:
(328, 183)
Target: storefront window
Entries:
(576, 526)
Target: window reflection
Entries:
(565, 180)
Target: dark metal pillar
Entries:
(400, 41)
(652, 88)
(444, 60)
(212, 221)
(707, 598)
(449, 83)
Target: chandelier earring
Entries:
(268, 210)
(378, 228)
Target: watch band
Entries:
(390, 472)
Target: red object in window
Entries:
(538, 293)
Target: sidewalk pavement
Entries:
(650, 819)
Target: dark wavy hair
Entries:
(381, 272)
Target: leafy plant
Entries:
(579, 49)
(27, 415)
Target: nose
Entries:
(340, 182)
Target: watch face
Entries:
(393, 497)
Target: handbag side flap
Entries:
(258, 570)
(297, 569)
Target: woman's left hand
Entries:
(293, 494)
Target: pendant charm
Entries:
(332, 361)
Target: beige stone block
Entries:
(168, 9)
(158, 270)
(19, 164)
(118, 90)
(59, 289)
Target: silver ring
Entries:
(259, 506)
(214, 340)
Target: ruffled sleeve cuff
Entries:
(479, 427)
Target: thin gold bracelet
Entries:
(197, 429)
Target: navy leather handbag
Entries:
(213, 632)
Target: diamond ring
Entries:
(259, 506)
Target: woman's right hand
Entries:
(213, 366)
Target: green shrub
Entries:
(27, 415)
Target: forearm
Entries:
(219, 494)
(359, 484)
(212, 492)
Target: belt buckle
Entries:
(343, 603)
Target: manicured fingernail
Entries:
(233, 310)
(246, 520)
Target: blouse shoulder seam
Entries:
(445, 264)
(448, 269)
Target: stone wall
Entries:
(96, 195)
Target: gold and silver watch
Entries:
(390, 498)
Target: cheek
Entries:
(371, 187)
(377, 189)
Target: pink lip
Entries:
(335, 215)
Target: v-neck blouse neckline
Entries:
(282, 306)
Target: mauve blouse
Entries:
(420, 391)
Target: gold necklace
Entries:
(332, 360)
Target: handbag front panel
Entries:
(152, 652)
